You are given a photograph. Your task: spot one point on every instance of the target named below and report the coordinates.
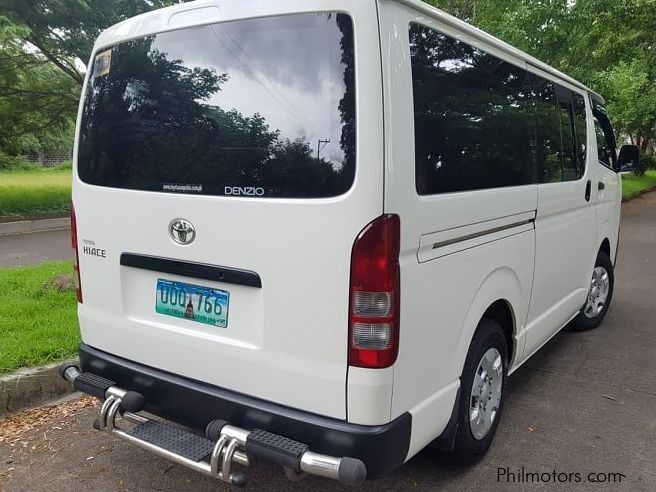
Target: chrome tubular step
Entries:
(214, 454)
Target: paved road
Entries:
(28, 249)
(583, 404)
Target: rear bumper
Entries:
(194, 404)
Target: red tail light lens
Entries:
(375, 295)
(76, 260)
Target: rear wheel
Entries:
(481, 395)
(599, 296)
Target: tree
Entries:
(63, 31)
(37, 101)
(44, 45)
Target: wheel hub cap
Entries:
(598, 293)
(485, 394)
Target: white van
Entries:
(325, 231)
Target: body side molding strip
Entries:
(448, 241)
(481, 234)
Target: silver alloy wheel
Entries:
(486, 393)
(598, 294)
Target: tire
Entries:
(591, 317)
(488, 340)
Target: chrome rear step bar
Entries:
(214, 454)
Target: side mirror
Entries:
(629, 159)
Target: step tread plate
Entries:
(173, 439)
(100, 382)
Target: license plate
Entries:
(192, 302)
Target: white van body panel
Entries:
(608, 210)
(285, 343)
(369, 395)
(608, 203)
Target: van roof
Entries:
(206, 11)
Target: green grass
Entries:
(38, 324)
(634, 186)
(34, 192)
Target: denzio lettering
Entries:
(244, 191)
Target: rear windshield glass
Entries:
(259, 108)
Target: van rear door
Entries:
(223, 172)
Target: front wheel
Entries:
(599, 296)
(481, 393)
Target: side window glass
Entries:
(604, 151)
(547, 130)
(473, 117)
(606, 143)
(569, 165)
(581, 132)
(558, 157)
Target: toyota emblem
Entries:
(182, 232)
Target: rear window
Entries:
(260, 108)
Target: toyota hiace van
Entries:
(323, 233)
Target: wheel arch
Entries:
(605, 247)
(500, 298)
(607, 241)
(501, 312)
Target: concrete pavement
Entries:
(582, 405)
(28, 249)
(8, 228)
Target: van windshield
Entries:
(260, 108)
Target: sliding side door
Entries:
(566, 223)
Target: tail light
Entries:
(375, 295)
(76, 265)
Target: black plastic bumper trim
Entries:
(276, 449)
(92, 384)
(194, 270)
(382, 448)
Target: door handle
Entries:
(588, 191)
(601, 186)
